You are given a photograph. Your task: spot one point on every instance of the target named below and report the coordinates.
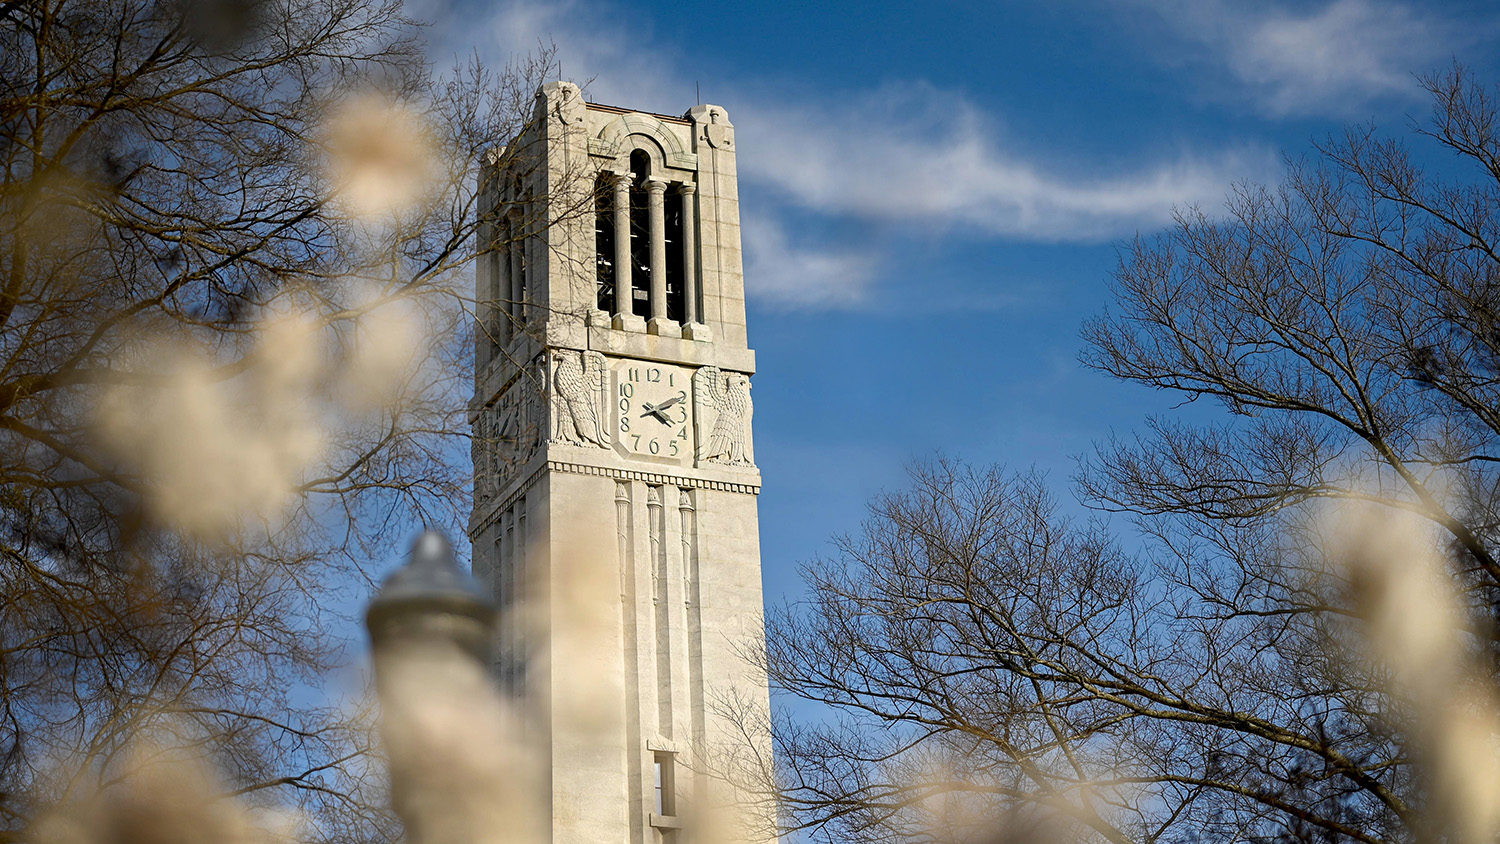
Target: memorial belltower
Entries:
(615, 478)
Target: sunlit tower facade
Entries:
(615, 478)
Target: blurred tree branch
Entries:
(235, 337)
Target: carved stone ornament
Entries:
(507, 433)
(576, 388)
(721, 403)
(481, 447)
(718, 132)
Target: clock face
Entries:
(653, 410)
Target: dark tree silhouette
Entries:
(235, 345)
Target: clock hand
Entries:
(656, 411)
(669, 402)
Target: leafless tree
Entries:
(235, 344)
(991, 664)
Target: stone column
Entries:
(623, 284)
(689, 258)
(624, 318)
(659, 324)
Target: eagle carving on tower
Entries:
(577, 380)
(728, 397)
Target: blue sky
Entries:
(934, 194)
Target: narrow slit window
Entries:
(665, 791)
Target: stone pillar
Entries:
(624, 318)
(689, 260)
(623, 283)
(659, 324)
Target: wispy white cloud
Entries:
(607, 52)
(925, 158)
(800, 275)
(1326, 57)
(911, 160)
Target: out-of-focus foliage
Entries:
(234, 351)
(1304, 648)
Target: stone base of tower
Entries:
(639, 604)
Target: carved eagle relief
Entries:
(723, 408)
(577, 388)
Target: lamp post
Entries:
(428, 619)
(431, 599)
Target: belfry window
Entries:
(645, 263)
(673, 218)
(519, 287)
(640, 235)
(604, 242)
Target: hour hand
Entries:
(655, 410)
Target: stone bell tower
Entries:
(615, 478)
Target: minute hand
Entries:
(656, 412)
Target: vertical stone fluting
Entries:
(504, 596)
(507, 528)
(520, 538)
(623, 284)
(499, 571)
(689, 254)
(685, 506)
(656, 514)
(693, 632)
(634, 741)
(657, 205)
(622, 530)
(518, 597)
(653, 511)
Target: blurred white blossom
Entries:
(161, 794)
(1417, 632)
(211, 443)
(381, 156)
